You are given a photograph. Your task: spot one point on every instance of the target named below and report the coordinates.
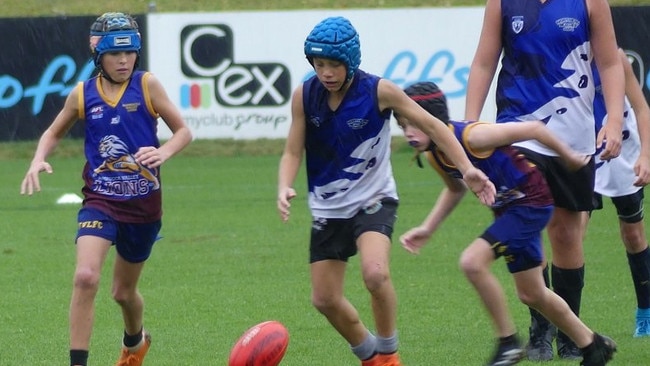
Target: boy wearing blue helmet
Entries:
(341, 122)
(122, 203)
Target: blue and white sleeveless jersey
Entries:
(615, 178)
(115, 129)
(347, 150)
(546, 70)
(517, 181)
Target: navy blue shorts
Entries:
(132, 241)
(516, 236)
(336, 238)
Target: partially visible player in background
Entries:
(622, 179)
(522, 209)
(341, 123)
(122, 203)
(546, 74)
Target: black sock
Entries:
(541, 320)
(568, 284)
(511, 339)
(640, 268)
(132, 340)
(590, 347)
(78, 357)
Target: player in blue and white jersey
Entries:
(546, 48)
(622, 179)
(122, 204)
(341, 123)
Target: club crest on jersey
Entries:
(567, 24)
(357, 123)
(517, 23)
(315, 121)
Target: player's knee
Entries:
(374, 278)
(86, 279)
(122, 295)
(529, 298)
(469, 265)
(634, 240)
(323, 304)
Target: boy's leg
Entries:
(374, 250)
(327, 297)
(91, 253)
(475, 263)
(566, 231)
(136, 341)
(630, 217)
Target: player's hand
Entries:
(150, 156)
(481, 185)
(642, 171)
(415, 239)
(285, 195)
(611, 137)
(31, 183)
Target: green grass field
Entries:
(226, 262)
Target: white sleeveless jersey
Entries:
(615, 178)
(355, 194)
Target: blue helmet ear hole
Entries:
(335, 38)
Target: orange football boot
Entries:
(380, 359)
(136, 358)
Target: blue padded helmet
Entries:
(116, 32)
(335, 38)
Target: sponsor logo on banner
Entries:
(208, 59)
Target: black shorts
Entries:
(336, 238)
(573, 191)
(628, 208)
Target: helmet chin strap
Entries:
(346, 83)
(108, 78)
(105, 76)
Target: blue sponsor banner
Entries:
(42, 60)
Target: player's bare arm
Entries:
(608, 62)
(453, 192)
(642, 112)
(68, 115)
(488, 136)
(485, 62)
(153, 157)
(292, 156)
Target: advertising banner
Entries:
(232, 74)
(42, 60)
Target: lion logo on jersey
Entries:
(118, 159)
